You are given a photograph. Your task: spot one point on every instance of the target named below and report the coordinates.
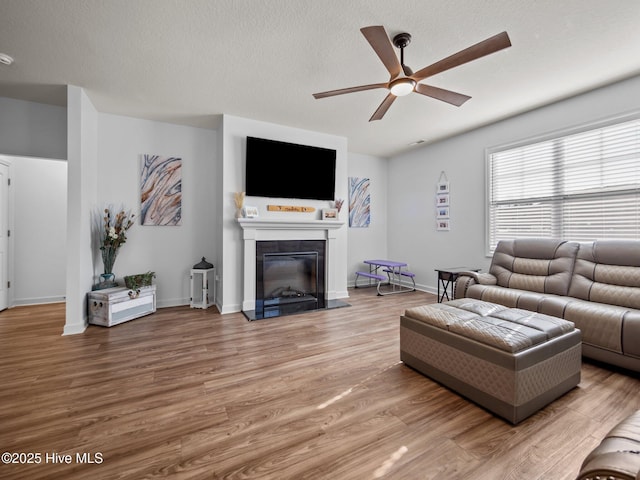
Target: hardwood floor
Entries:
(191, 394)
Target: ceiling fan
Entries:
(404, 81)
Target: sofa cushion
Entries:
(607, 271)
(535, 264)
(601, 324)
(546, 303)
(607, 326)
(611, 327)
(495, 294)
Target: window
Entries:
(581, 186)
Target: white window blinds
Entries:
(578, 187)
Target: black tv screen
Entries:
(287, 170)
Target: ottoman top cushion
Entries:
(508, 329)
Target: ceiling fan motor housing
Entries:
(401, 40)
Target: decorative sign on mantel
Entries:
(289, 208)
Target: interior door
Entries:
(4, 235)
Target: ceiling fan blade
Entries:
(379, 41)
(384, 106)
(448, 96)
(490, 45)
(342, 91)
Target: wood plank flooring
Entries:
(191, 394)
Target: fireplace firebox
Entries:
(290, 277)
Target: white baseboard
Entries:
(74, 329)
(229, 309)
(172, 302)
(19, 302)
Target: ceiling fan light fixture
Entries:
(402, 86)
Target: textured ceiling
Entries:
(188, 61)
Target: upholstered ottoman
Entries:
(510, 361)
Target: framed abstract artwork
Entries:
(161, 190)
(359, 202)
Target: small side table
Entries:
(447, 278)
(201, 295)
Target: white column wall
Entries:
(82, 132)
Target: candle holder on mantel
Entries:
(202, 275)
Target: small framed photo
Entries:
(442, 200)
(442, 212)
(443, 224)
(443, 187)
(329, 214)
(249, 212)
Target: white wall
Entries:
(39, 235)
(234, 132)
(371, 242)
(32, 129)
(413, 177)
(168, 251)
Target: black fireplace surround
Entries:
(290, 277)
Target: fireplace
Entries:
(290, 277)
(330, 267)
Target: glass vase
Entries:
(109, 255)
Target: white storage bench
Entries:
(510, 361)
(112, 306)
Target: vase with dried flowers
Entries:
(113, 236)
(238, 198)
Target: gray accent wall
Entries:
(32, 129)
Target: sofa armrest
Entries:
(618, 455)
(466, 279)
(481, 278)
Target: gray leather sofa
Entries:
(595, 285)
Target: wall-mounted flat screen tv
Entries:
(287, 170)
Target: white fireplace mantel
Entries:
(258, 229)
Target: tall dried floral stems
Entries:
(238, 198)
